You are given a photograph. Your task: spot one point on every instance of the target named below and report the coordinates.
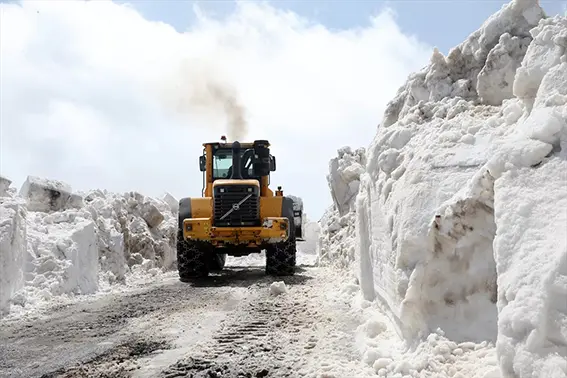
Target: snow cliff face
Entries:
(460, 218)
(336, 236)
(530, 214)
(13, 244)
(55, 242)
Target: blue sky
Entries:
(428, 20)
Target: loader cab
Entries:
(223, 165)
(237, 161)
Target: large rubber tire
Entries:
(281, 258)
(191, 258)
(217, 261)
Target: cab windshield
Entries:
(222, 164)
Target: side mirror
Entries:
(202, 163)
(272, 163)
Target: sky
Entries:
(115, 95)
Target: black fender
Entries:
(296, 215)
(185, 210)
(287, 212)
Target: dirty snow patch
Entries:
(277, 288)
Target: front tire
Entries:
(191, 258)
(281, 258)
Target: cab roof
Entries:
(229, 144)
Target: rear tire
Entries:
(191, 258)
(280, 258)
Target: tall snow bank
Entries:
(56, 242)
(531, 214)
(460, 217)
(336, 236)
(425, 224)
(12, 249)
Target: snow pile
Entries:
(531, 214)
(344, 177)
(436, 356)
(48, 195)
(336, 235)
(5, 189)
(481, 69)
(12, 246)
(56, 242)
(459, 225)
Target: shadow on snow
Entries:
(247, 276)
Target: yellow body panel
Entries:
(273, 230)
(201, 207)
(209, 172)
(265, 190)
(270, 207)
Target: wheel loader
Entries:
(237, 213)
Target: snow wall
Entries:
(56, 242)
(456, 216)
(336, 234)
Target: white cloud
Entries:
(96, 95)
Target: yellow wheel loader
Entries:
(237, 213)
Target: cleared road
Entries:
(226, 326)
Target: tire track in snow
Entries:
(256, 340)
(305, 332)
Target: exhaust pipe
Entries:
(236, 162)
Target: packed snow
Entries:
(460, 217)
(336, 231)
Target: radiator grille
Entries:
(247, 213)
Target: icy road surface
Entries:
(230, 325)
